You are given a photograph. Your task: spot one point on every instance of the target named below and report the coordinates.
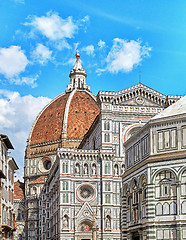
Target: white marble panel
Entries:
(160, 140)
(184, 233)
(167, 139)
(159, 234)
(166, 234)
(165, 209)
(183, 206)
(173, 208)
(173, 138)
(159, 209)
(184, 137)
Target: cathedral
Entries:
(83, 153)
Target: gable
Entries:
(140, 101)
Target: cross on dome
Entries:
(77, 76)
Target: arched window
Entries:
(105, 137)
(34, 190)
(144, 188)
(134, 201)
(105, 125)
(65, 167)
(93, 169)
(183, 184)
(18, 215)
(122, 168)
(116, 170)
(78, 82)
(108, 137)
(108, 126)
(107, 186)
(65, 197)
(165, 184)
(107, 168)
(77, 168)
(85, 168)
(134, 193)
(65, 185)
(107, 198)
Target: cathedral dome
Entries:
(69, 115)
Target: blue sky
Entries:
(116, 40)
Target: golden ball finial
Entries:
(77, 55)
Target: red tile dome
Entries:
(72, 112)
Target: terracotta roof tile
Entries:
(82, 112)
(49, 125)
(19, 189)
(40, 179)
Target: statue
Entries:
(107, 222)
(65, 221)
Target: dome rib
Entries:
(82, 112)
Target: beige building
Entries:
(7, 168)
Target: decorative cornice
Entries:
(80, 154)
(137, 90)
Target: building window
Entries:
(165, 189)
(107, 186)
(107, 168)
(65, 198)
(107, 198)
(65, 185)
(85, 168)
(19, 215)
(65, 168)
(107, 137)
(77, 168)
(106, 125)
(116, 170)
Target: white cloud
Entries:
(61, 44)
(88, 49)
(85, 19)
(53, 26)
(31, 81)
(13, 61)
(125, 55)
(71, 62)
(42, 54)
(16, 118)
(101, 44)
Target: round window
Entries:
(86, 192)
(47, 164)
